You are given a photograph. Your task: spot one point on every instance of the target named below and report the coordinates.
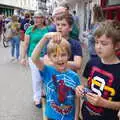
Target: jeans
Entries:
(15, 44)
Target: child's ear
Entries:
(70, 28)
(50, 58)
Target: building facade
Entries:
(83, 10)
(41, 5)
(111, 9)
(51, 4)
(10, 7)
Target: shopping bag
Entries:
(22, 34)
(9, 34)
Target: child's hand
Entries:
(95, 99)
(55, 36)
(79, 90)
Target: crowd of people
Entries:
(55, 57)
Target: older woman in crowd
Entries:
(32, 36)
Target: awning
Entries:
(8, 6)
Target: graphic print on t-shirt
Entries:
(61, 88)
(100, 82)
(26, 25)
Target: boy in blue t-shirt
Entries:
(60, 82)
(102, 98)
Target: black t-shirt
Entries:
(25, 23)
(103, 80)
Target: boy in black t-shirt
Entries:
(102, 99)
(64, 24)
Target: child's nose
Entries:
(60, 27)
(59, 58)
(98, 46)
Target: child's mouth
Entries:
(60, 63)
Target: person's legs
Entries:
(36, 82)
(12, 47)
(0, 36)
(17, 46)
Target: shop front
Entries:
(6, 10)
(111, 9)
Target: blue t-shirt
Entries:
(103, 80)
(60, 93)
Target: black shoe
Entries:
(39, 105)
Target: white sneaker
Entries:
(15, 60)
(12, 59)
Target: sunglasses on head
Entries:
(38, 17)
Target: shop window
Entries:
(113, 2)
(114, 14)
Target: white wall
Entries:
(79, 6)
(82, 12)
(26, 4)
(9, 2)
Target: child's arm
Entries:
(35, 55)
(77, 108)
(101, 102)
(76, 63)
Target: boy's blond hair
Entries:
(110, 28)
(62, 46)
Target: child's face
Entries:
(63, 27)
(104, 47)
(59, 60)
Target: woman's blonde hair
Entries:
(62, 46)
(15, 18)
(27, 15)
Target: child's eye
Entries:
(63, 24)
(96, 42)
(57, 24)
(54, 55)
(64, 54)
(104, 43)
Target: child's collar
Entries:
(116, 61)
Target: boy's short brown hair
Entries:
(67, 17)
(63, 45)
(110, 28)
